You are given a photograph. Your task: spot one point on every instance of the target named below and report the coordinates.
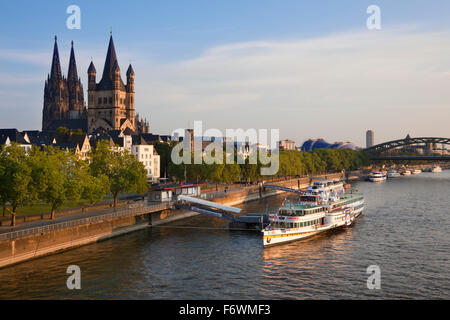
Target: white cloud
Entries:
(394, 81)
(335, 86)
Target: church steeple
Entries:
(108, 77)
(55, 73)
(72, 74)
(110, 102)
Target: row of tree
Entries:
(291, 163)
(52, 176)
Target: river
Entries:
(404, 231)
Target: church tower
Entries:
(56, 106)
(110, 102)
(63, 98)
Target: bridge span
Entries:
(381, 151)
(411, 157)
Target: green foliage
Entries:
(64, 130)
(292, 163)
(54, 176)
(15, 178)
(164, 150)
(122, 170)
(95, 188)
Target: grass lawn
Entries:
(43, 207)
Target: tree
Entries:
(250, 172)
(82, 184)
(95, 188)
(14, 178)
(3, 185)
(56, 179)
(164, 150)
(231, 173)
(127, 175)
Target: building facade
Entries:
(286, 145)
(148, 156)
(111, 102)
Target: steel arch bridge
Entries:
(377, 149)
(376, 152)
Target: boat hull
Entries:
(393, 175)
(280, 238)
(377, 179)
(277, 237)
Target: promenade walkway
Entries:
(33, 227)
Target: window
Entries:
(110, 100)
(99, 100)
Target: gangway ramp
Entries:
(285, 189)
(255, 221)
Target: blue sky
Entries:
(228, 63)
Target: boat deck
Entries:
(348, 197)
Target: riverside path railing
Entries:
(130, 211)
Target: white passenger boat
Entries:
(436, 169)
(377, 177)
(315, 212)
(416, 171)
(325, 187)
(406, 173)
(393, 174)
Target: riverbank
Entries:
(40, 238)
(403, 230)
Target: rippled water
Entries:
(404, 230)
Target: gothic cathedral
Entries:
(110, 102)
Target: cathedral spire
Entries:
(73, 74)
(111, 60)
(111, 66)
(56, 66)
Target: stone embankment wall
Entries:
(26, 247)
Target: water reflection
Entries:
(404, 231)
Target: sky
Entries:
(311, 69)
